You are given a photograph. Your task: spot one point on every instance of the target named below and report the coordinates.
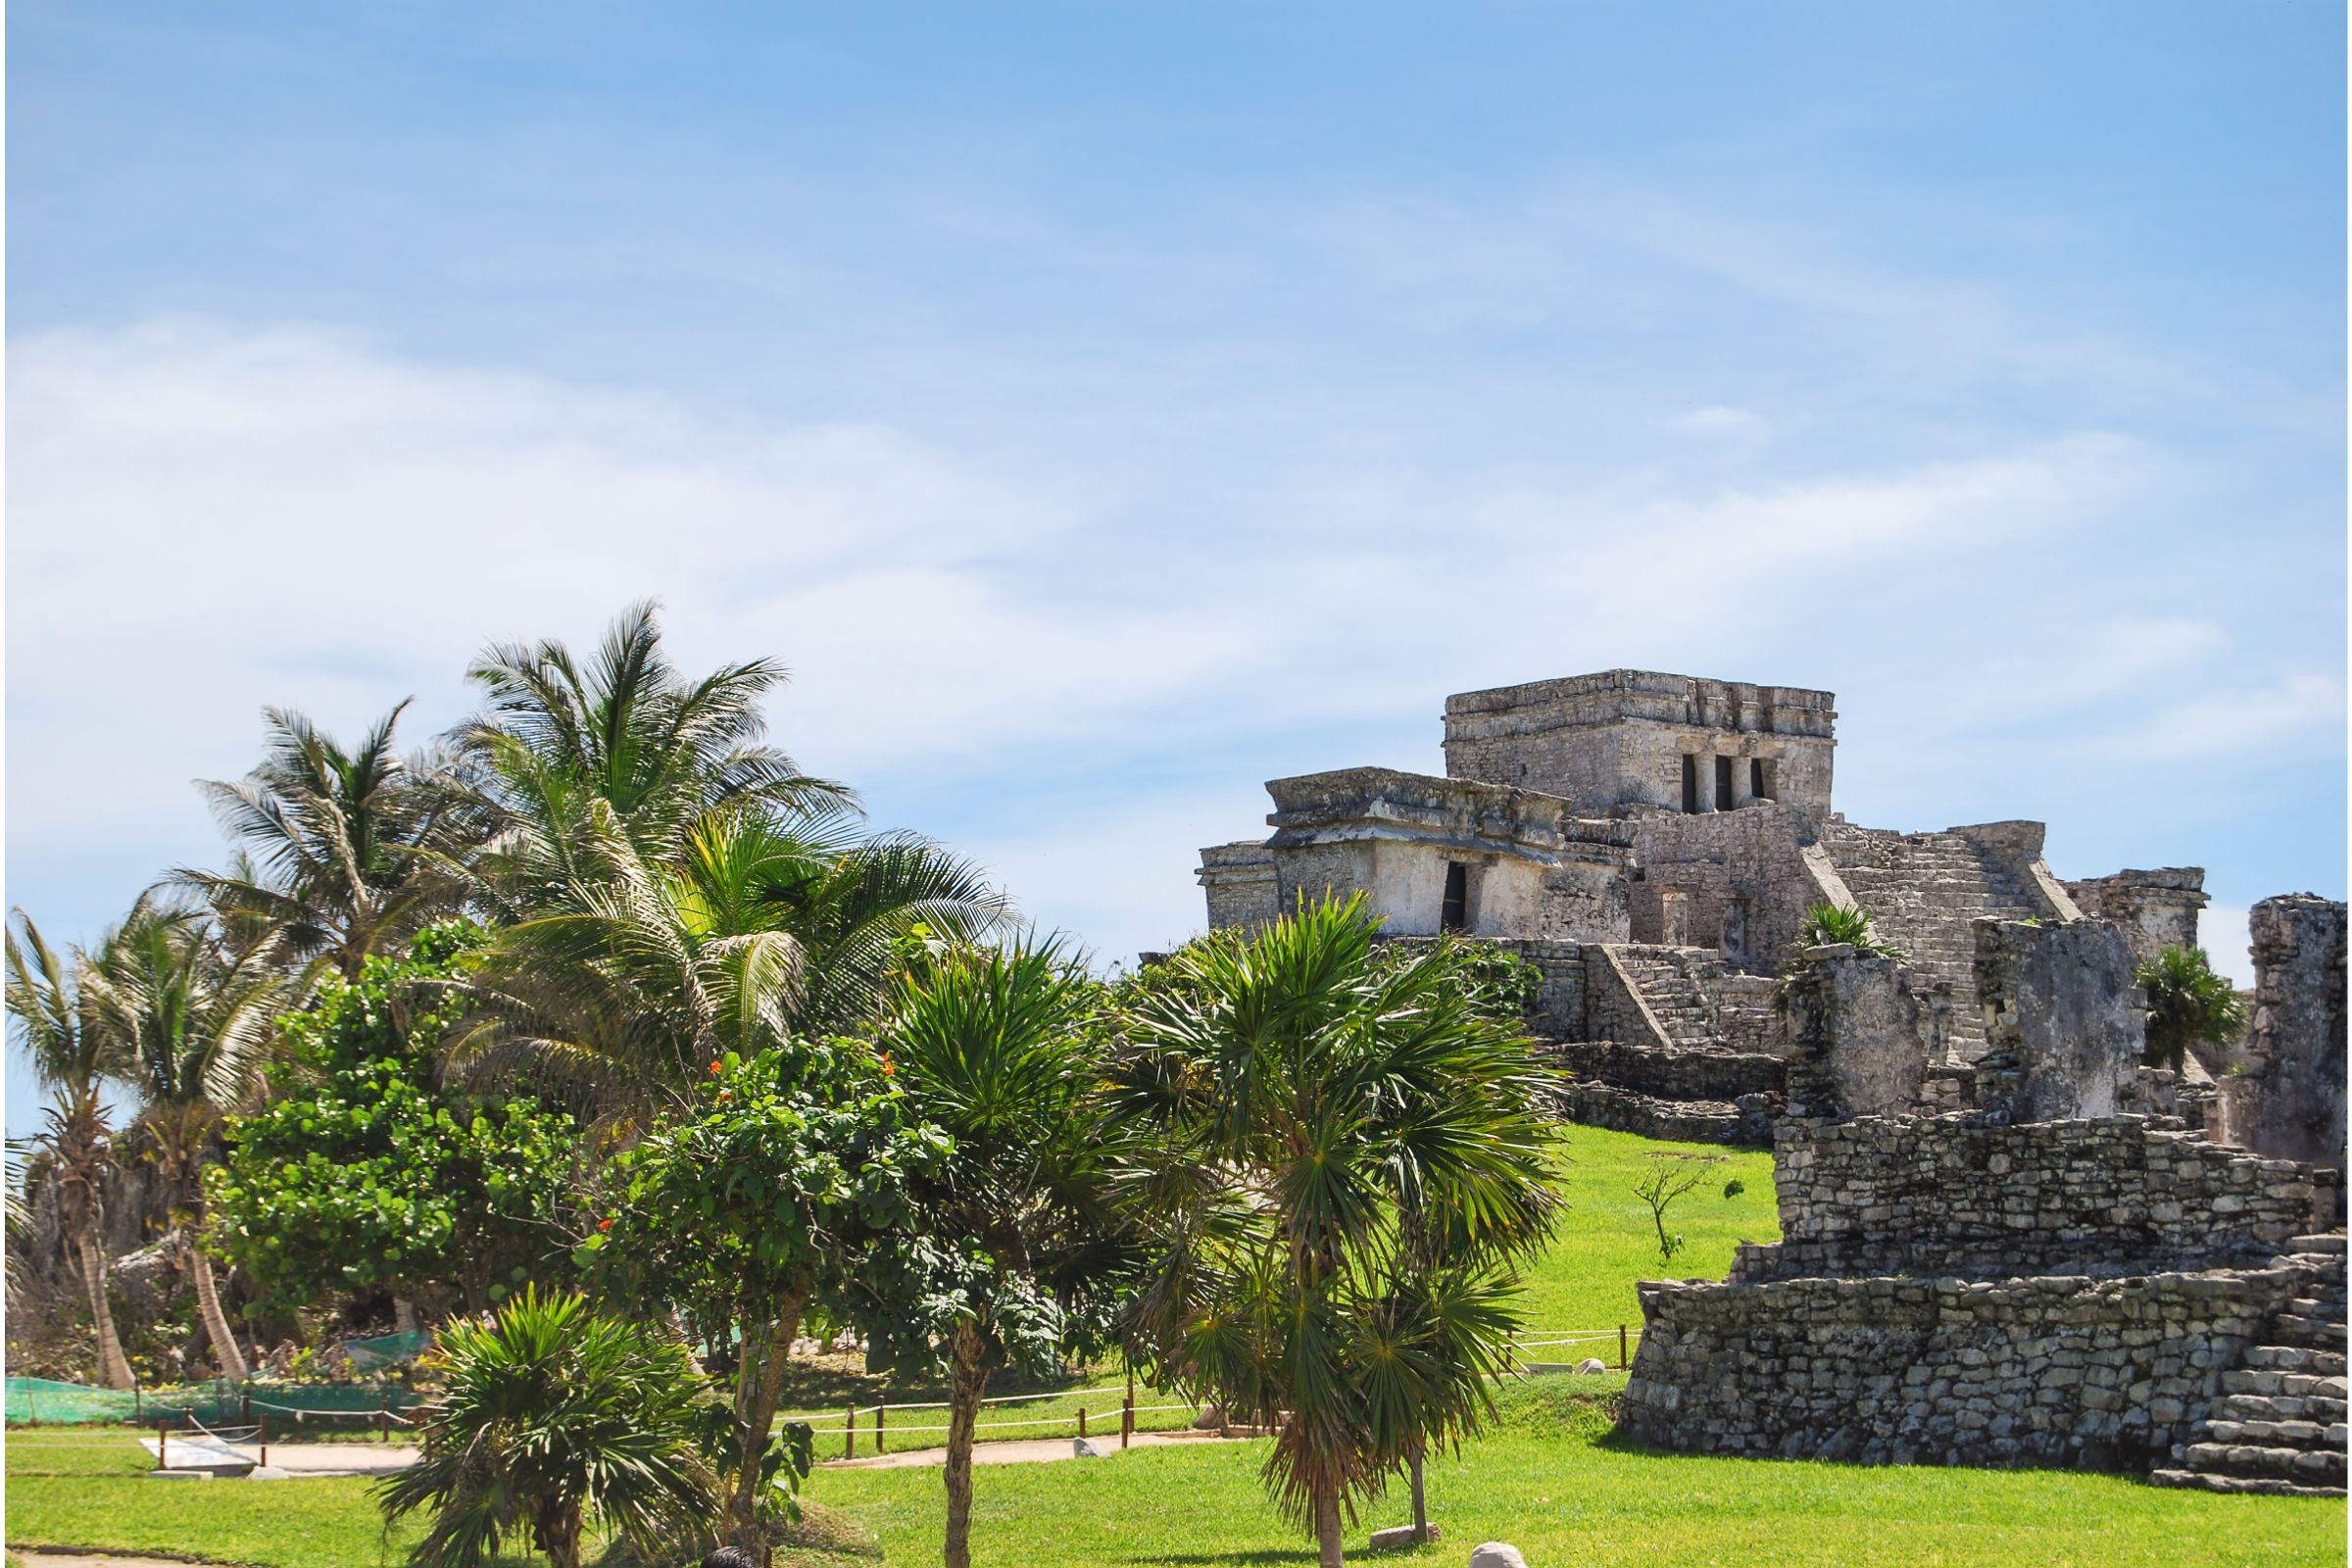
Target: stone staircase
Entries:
(1921, 891)
(1674, 986)
(2278, 1424)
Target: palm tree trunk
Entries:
(1420, 1498)
(1327, 1524)
(967, 1384)
(225, 1353)
(759, 1386)
(113, 1365)
(559, 1534)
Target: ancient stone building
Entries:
(1663, 837)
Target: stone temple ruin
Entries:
(2004, 1240)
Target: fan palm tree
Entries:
(2188, 1004)
(550, 1412)
(993, 1045)
(192, 1019)
(72, 1062)
(344, 853)
(1344, 1165)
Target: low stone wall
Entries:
(1747, 1121)
(2050, 1371)
(1951, 1196)
(1672, 1074)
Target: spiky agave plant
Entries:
(553, 1412)
(1831, 924)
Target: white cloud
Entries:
(207, 519)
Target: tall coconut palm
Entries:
(192, 1018)
(344, 852)
(1343, 1163)
(72, 1062)
(759, 925)
(628, 727)
(995, 1047)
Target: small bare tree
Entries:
(1674, 1176)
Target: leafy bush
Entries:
(367, 1173)
(1830, 924)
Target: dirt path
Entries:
(289, 1459)
(1019, 1450)
(35, 1557)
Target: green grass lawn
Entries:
(1547, 1479)
(1553, 1484)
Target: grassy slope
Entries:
(1547, 1480)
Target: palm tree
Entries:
(192, 1020)
(1344, 1165)
(2188, 1004)
(993, 1045)
(345, 853)
(551, 1411)
(74, 1062)
(627, 729)
(760, 925)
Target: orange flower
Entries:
(604, 1225)
(726, 1094)
(717, 1067)
(889, 1068)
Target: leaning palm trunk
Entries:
(968, 1383)
(557, 1528)
(759, 1386)
(113, 1365)
(226, 1354)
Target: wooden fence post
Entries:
(162, 1445)
(1127, 1412)
(1623, 1360)
(264, 1440)
(880, 1405)
(1082, 1420)
(849, 1427)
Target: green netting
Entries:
(387, 1349)
(335, 1405)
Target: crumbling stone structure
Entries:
(2289, 1100)
(1665, 836)
(2157, 909)
(2031, 1278)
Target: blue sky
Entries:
(1104, 410)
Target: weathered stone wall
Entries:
(1952, 1196)
(1745, 878)
(1747, 1121)
(2291, 1100)
(1240, 882)
(1671, 1073)
(2052, 1371)
(1615, 741)
(2064, 1027)
(2157, 909)
(1857, 1037)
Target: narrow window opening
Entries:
(1455, 915)
(1689, 783)
(1722, 783)
(1759, 781)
